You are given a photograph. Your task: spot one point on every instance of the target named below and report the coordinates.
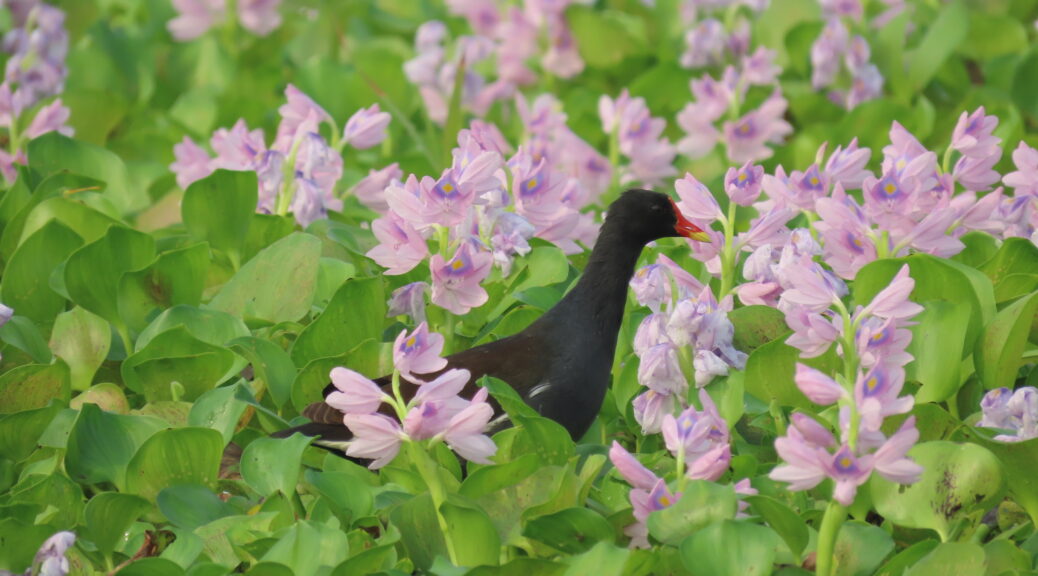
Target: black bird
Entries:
(560, 364)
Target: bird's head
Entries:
(648, 216)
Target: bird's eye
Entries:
(656, 208)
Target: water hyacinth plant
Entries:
(214, 214)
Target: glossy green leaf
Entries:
(218, 409)
(756, 326)
(24, 335)
(419, 530)
(89, 222)
(1002, 344)
(82, 340)
(1020, 462)
(309, 546)
(356, 313)
(544, 437)
(174, 456)
(109, 515)
(20, 432)
(151, 567)
(276, 285)
(313, 378)
(907, 557)
(102, 444)
(783, 520)
(107, 395)
(701, 504)
(348, 492)
(218, 209)
(270, 365)
(176, 277)
(860, 549)
(59, 499)
(951, 559)
(727, 547)
(25, 282)
(940, 331)
(1016, 256)
(496, 477)
(571, 531)
(191, 505)
(605, 38)
(271, 465)
(33, 386)
(940, 40)
(209, 326)
(957, 479)
(54, 152)
(475, 539)
(176, 356)
(93, 273)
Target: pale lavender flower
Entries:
(51, 118)
(261, 17)
(826, 51)
(877, 394)
(38, 45)
(890, 459)
(811, 287)
(973, 135)
(464, 433)
(847, 235)
(711, 465)
(195, 17)
(747, 137)
(892, 301)
(804, 452)
(375, 436)
(847, 167)
(1024, 180)
(651, 331)
(976, 173)
(882, 341)
(995, 409)
(818, 386)
(192, 162)
(50, 559)
(763, 287)
(366, 128)
(651, 286)
(409, 300)
(705, 44)
(848, 472)
(511, 238)
(842, 8)
(371, 189)
(562, 58)
(418, 352)
(650, 407)
(1012, 411)
(695, 432)
(743, 185)
(299, 115)
(866, 84)
(660, 370)
(813, 333)
(456, 283)
(696, 202)
(759, 68)
(354, 393)
(6, 313)
(636, 474)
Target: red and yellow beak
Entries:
(687, 229)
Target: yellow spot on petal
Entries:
(664, 501)
(871, 383)
(410, 342)
(814, 180)
(890, 188)
(742, 177)
(845, 462)
(457, 265)
(448, 188)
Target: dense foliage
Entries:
(213, 208)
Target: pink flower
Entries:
(804, 452)
(195, 17)
(51, 118)
(371, 189)
(375, 436)
(192, 163)
(456, 283)
(817, 386)
(418, 353)
(973, 135)
(890, 461)
(630, 468)
(464, 433)
(299, 112)
(743, 184)
(813, 333)
(892, 301)
(711, 465)
(400, 247)
(1024, 180)
(877, 395)
(354, 393)
(695, 432)
(659, 370)
(649, 409)
(409, 300)
(366, 128)
(651, 286)
(747, 137)
(260, 17)
(847, 166)
(696, 202)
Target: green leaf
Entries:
(109, 515)
(860, 548)
(209, 326)
(191, 505)
(544, 437)
(475, 539)
(605, 37)
(93, 273)
(218, 209)
(276, 285)
(941, 39)
(356, 313)
(271, 366)
(23, 334)
(349, 492)
(175, 456)
(488, 479)
(940, 331)
(1001, 346)
(1020, 462)
(102, 444)
(419, 530)
(176, 356)
(783, 520)
(20, 432)
(907, 557)
(53, 152)
(604, 559)
(176, 277)
(82, 340)
(107, 395)
(571, 531)
(979, 248)
(25, 282)
(1016, 256)
(950, 559)
(1025, 84)
(33, 386)
(994, 35)
(20, 540)
(770, 369)
(726, 547)
(271, 465)
(756, 326)
(152, 567)
(218, 409)
(701, 504)
(957, 479)
(308, 546)
(313, 378)
(510, 400)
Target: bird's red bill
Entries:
(686, 228)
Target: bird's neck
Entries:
(596, 303)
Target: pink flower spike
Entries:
(817, 386)
(890, 459)
(849, 472)
(409, 300)
(973, 134)
(743, 184)
(51, 118)
(456, 282)
(366, 128)
(355, 394)
(892, 301)
(418, 352)
(192, 162)
(194, 18)
(630, 468)
(465, 434)
(260, 17)
(375, 436)
(371, 190)
(299, 112)
(711, 465)
(400, 247)
(649, 409)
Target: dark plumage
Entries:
(559, 364)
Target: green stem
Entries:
(831, 522)
(728, 253)
(399, 406)
(850, 372)
(448, 334)
(680, 466)
(444, 238)
(430, 473)
(780, 419)
(288, 171)
(946, 160)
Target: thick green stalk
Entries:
(430, 473)
(728, 253)
(835, 514)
